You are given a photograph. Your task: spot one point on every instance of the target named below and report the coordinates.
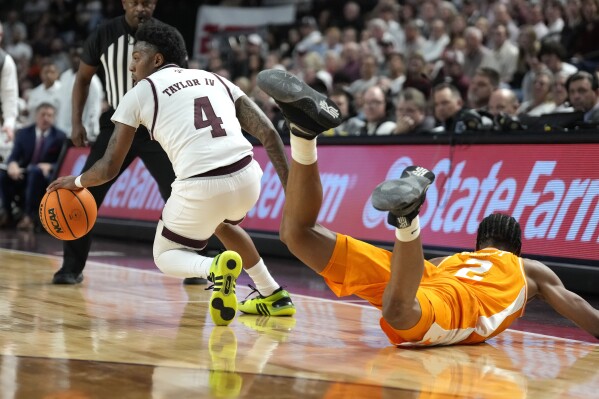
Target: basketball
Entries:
(68, 215)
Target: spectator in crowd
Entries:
(437, 41)
(396, 69)
(583, 91)
(552, 55)
(350, 58)
(410, 113)
(350, 17)
(19, 49)
(310, 35)
(503, 101)
(476, 54)
(542, 99)
(505, 54)
(414, 41)
(376, 113)
(528, 46)
(93, 105)
(583, 41)
(11, 24)
(447, 103)
(9, 95)
(560, 94)
(484, 82)
(30, 166)
(451, 70)
(46, 92)
(368, 75)
(537, 20)
(554, 14)
(417, 75)
(502, 16)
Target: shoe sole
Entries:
(287, 88)
(402, 196)
(223, 302)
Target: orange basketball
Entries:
(68, 215)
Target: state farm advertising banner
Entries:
(552, 190)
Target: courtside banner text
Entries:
(553, 191)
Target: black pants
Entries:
(153, 157)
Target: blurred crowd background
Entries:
(365, 54)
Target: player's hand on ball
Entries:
(67, 182)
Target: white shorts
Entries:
(199, 204)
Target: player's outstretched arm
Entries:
(107, 167)
(255, 122)
(546, 285)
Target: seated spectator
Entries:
(416, 74)
(368, 75)
(376, 113)
(30, 166)
(560, 94)
(475, 53)
(583, 91)
(552, 54)
(447, 103)
(47, 92)
(542, 99)
(410, 113)
(483, 83)
(505, 54)
(503, 101)
(450, 69)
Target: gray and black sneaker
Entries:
(403, 197)
(308, 112)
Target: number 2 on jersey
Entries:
(204, 116)
(474, 272)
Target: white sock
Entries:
(262, 279)
(202, 268)
(303, 151)
(409, 233)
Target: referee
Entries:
(109, 49)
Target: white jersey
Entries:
(191, 113)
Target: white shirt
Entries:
(91, 110)
(39, 95)
(191, 113)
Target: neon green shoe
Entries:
(276, 304)
(224, 271)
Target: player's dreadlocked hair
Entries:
(500, 231)
(167, 40)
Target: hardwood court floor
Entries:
(130, 332)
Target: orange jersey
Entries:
(468, 298)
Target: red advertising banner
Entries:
(552, 190)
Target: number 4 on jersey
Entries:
(204, 116)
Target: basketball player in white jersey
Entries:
(197, 117)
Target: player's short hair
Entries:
(166, 39)
(500, 231)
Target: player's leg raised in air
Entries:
(308, 113)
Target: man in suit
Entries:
(30, 166)
(583, 92)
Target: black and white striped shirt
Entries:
(109, 48)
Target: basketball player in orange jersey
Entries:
(465, 298)
(197, 117)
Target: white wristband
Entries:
(78, 181)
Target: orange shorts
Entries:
(362, 269)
